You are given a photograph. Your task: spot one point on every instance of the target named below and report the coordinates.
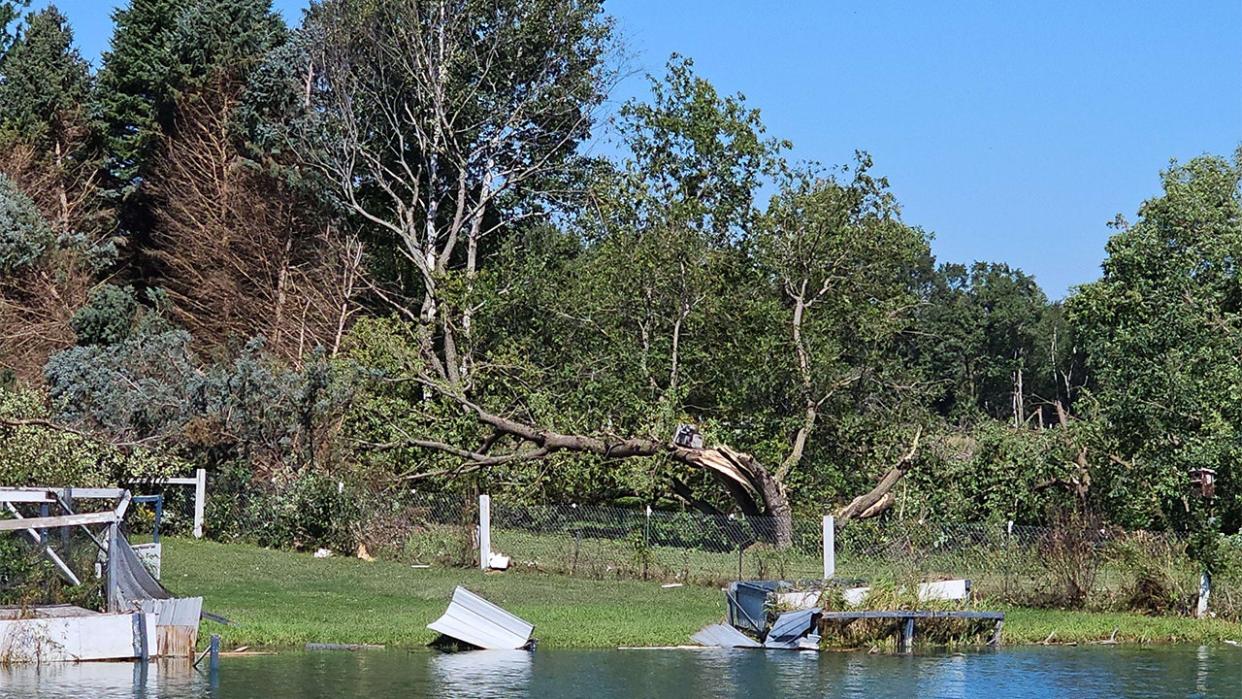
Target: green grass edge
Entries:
(283, 599)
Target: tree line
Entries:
(375, 252)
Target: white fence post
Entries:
(830, 547)
(200, 501)
(485, 531)
(1205, 591)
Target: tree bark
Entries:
(752, 486)
(879, 498)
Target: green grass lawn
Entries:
(284, 599)
(278, 598)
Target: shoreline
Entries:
(281, 600)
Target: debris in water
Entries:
(477, 623)
(724, 636)
(794, 631)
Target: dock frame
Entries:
(905, 619)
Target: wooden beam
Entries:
(26, 496)
(47, 550)
(49, 494)
(8, 525)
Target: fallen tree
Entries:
(755, 490)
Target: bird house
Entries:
(1203, 481)
(688, 436)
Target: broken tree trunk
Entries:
(879, 498)
(755, 490)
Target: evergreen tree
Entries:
(10, 11)
(161, 48)
(46, 83)
(225, 39)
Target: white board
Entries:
(73, 638)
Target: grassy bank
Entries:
(287, 599)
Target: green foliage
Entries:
(10, 11)
(996, 344)
(36, 455)
(24, 235)
(994, 472)
(46, 83)
(162, 47)
(312, 511)
(107, 317)
(137, 84)
(224, 39)
(1162, 331)
(151, 388)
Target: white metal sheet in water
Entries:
(474, 620)
(723, 636)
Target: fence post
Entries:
(200, 501)
(646, 541)
(830, 547)
(1205, 591)
(485, 531)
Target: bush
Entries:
(1071, 559)
(35, 455)
(107, 317)
(24, 235)
(1159, 577)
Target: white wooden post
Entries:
(200, 501)
(830, 547)
(1205, 591)
(485, 531)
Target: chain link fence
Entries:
(1073, 564)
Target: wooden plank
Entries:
(16, 494)
(9, 495)
(8, 525)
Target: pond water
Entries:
(1177, 671)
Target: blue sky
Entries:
(1012, 131)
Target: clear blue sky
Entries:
(1012, 131)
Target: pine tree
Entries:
(136, 86)
(10, 11)
(48, 143)
(46, 84)
(161, 48)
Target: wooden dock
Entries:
(906, 618)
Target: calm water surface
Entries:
(1019, 672)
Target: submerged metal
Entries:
(476, 622)
(723, 636)
(794, 631)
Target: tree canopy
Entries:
(382, 249)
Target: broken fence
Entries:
(1004, 561)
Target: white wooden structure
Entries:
(139, 626)
(72, 634)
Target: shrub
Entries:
(1071, 559)
(1159, 578)
(107, 317)
(24, 235)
